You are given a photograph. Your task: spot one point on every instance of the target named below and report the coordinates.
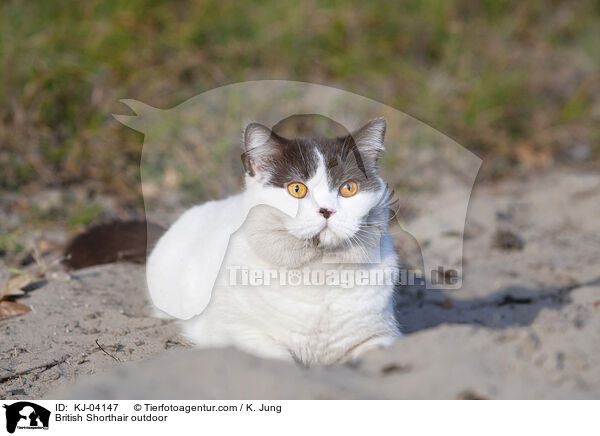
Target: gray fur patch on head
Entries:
(277, 160)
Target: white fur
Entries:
(269, 229)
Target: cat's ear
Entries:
(369, 138)
(260, 146)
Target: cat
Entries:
(309, 203)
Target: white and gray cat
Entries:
(309, 203)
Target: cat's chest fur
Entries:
(297, 314)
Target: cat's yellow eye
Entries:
(349, 189)
(297, 189)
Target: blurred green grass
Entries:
(516, 82)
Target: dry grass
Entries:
(516, 82)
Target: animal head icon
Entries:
(199, 143)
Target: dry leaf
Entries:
(14, 285)
(171, 178)
(8, 308)
(45, 246)
(533, 156)
(446, 304)
(470, 395)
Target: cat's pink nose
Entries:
(326, 212)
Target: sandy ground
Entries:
(526, 323)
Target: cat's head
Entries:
(333, 182)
